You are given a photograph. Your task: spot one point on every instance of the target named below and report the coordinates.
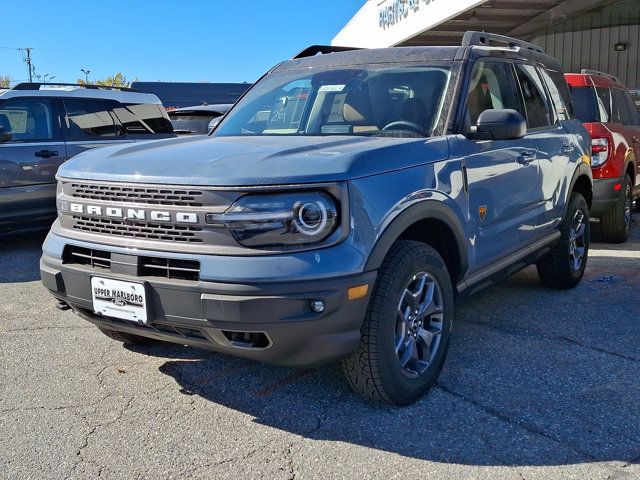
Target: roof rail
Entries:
(323, 49)
(483, 39)
(38, 86)
(588, 71)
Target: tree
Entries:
(5, 81)
(117, 80)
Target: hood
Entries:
(246, 161)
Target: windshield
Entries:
(381, 101)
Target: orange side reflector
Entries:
(358, 292)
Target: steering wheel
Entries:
(414, 127)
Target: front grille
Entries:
(148, 231)
(175, 269)
(139, 195)
(169, 268)
(86, 256)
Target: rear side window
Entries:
(585, 104)
(533, 93)
(90, 117)
(604, 104)
(143, 118)
(558, 94)
(621, 108)
(27, 119)
(633, 110)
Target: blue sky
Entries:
(187, 40)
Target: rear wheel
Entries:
(407, 329)
(127, 338)
(564, 266)
(616, 223)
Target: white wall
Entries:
(403, 19)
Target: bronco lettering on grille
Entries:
(135, 213)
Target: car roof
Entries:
(122, 96)
(593, 80)
(417, 55)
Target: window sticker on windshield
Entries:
(331, 88)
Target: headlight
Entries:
(288, 219)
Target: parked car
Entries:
(185, 94)
(336, 212)
(196, 120)
(609, 113)
(41, 127)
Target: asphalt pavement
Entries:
(539, 384)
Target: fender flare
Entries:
(423, 210)
(584, 169)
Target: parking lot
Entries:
(538, 384)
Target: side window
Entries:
(604, 104)
(90, 117)
(27, 119)
(143, 118)
(633, 110)
(490, 88)
(535, 99)
(561, 108)
(621, 113)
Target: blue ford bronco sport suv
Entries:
(336, 212)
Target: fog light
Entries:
(317, 306)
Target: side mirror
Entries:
(4, 136)
(214, 123)
(499, 125)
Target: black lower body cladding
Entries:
(270, 322)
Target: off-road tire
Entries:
(556, 269)
(127, 338)
(374, 369)
(614, 225)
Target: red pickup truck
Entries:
(609, 113)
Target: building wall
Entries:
(588, 41)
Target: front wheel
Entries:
(407, 329)
(564, 266)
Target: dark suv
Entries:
(336, 212)
(611, 117)
(42, 126)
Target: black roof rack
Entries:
(483, 39)
(588, 71)
(323, 49)
(38, 86)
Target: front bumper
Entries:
(211, 314)
(605, 195)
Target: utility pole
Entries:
(27, 60)
(86, 75)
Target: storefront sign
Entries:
(398, 10)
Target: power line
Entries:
(26, 58)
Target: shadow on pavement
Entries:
(534, 377)
(20, 256)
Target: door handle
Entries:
(566, 148)
(46, 153)
(526, 157)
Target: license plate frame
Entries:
(119, 299)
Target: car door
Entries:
(90, 123)
(548, 120)
(626, 114)
(503, 176)
(30, 159)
